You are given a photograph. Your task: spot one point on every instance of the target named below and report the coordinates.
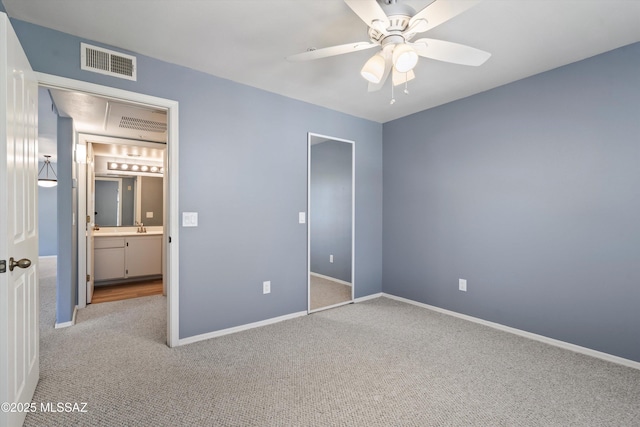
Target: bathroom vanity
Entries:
(127, 255)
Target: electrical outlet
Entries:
(462, 285)
(266, 287)
(330, 258)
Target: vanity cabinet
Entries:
(108, 258)
(124, 257)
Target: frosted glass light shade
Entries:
(373, 69)
(404, 58)
(47, 183)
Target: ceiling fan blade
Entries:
(402, 78)
(331, 51)
(450, 52)
(439, 12)
(374, 87)
(370, 12)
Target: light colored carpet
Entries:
(325, 293)
(375, 363)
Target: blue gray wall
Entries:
(128, 201)
(106, 202)
(243, 168)
(47, 197)
(531, 192)
(330, 211)
(47, 219)
(67, 269)
(151, 200)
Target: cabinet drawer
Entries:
(108, 242)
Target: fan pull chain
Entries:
(406, 84)
(393, 99)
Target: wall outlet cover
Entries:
(266, 287)
(462, 285)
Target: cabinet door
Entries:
(109, 263)
(144, 256)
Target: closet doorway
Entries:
(330, 200)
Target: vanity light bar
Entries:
(134, 167)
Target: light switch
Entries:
(189, 219)
(149, 214)
(302, 217)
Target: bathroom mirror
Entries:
(123, 201)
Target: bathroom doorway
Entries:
(126, 99)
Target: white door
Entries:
(91, 210)
(19, 351)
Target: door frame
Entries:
(310, 219)
(171, 223)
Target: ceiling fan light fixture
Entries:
(404, 58)
(373, 69)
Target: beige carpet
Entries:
(375, 363)
(325, 293)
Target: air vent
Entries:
(109, 62)
(141, 124)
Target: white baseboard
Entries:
(69, 323)
(333, 279)
(368, 297)
(541, 338)
(233, 330)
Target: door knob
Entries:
(23, 263)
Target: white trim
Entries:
(368, 297)
(70, 322)
(541, 338)
(353, 219)
(233, 330)
(47, 256)
(81, 223)
(333, 279)
(171, 224)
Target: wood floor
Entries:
(126, 290)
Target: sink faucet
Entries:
(141, 227)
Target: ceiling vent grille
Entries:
(142, 124)
(109, 62)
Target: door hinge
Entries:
(88, 277)
(88, 219)
(3, 265)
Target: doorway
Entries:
(170, 204)
(331, 184)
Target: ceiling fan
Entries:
(392, 27)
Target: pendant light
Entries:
(45, 180)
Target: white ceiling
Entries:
(247, 41)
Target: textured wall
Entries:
(531, 192)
